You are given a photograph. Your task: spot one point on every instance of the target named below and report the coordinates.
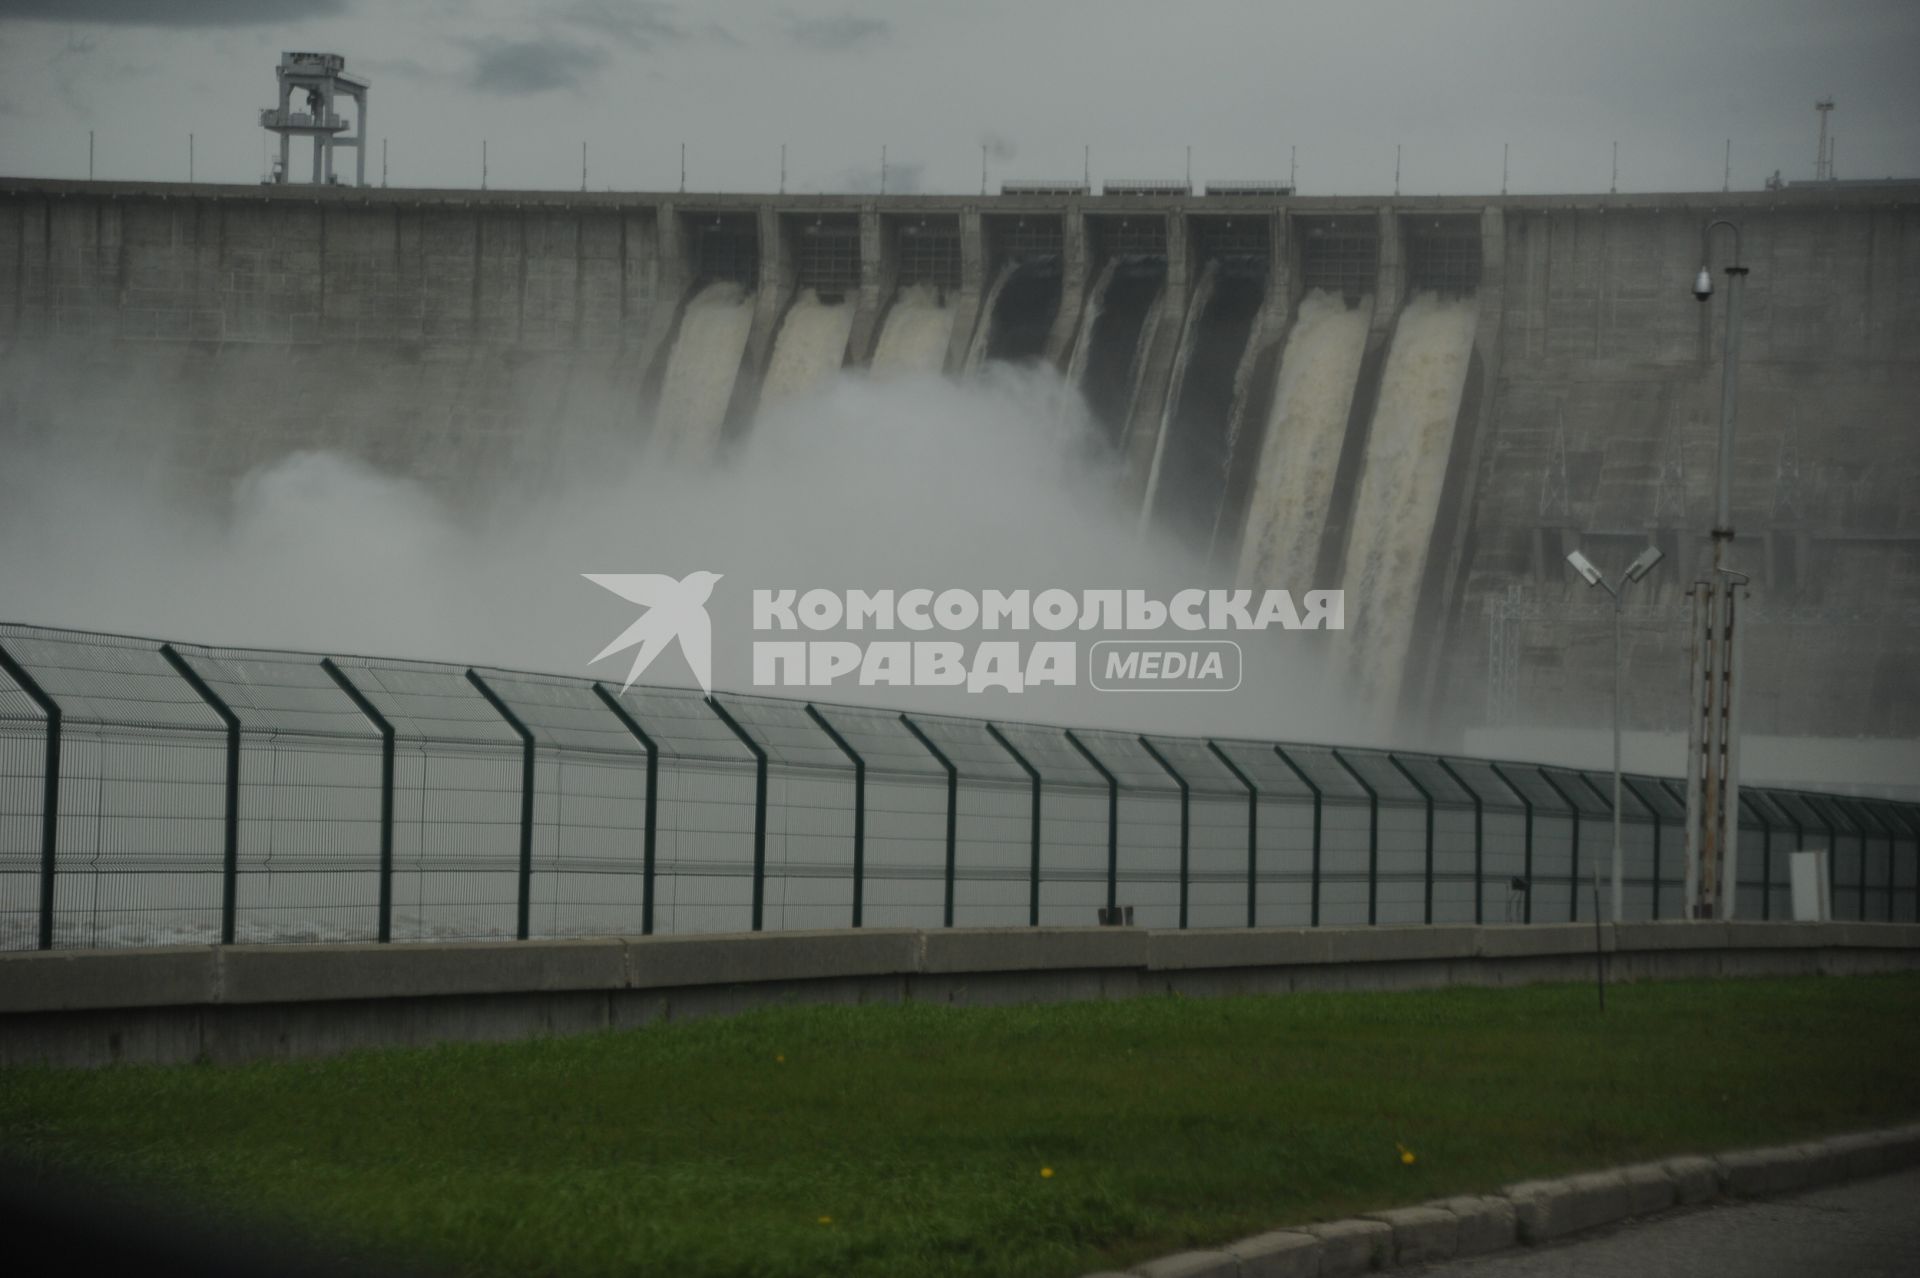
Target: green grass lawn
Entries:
(911, 1140)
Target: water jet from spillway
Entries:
(811, 347)
(1399, 495)
(701, 372)
(917, 333)
(1293, 487)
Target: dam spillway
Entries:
(917, 333)
(434, 333)
(1293, 485)
(810, 349)
(1405, 466)
(701, 372)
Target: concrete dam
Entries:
(1425, 400)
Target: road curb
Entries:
(1537, 1211)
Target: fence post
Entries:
(953, 799)
(1113, 819)
(1253, 833)
(1827, 806)
(1860, 829)
(1893, 854)
(1033, 826)
(1602, 913)
(1766, 856)
(1526, 853)
(1904, 815)
(1373, 838)
(651, 819)
(1860, 811)
(759, 810)
(523, 924)
(859, 809)
(1573, 865)
(230, 855)
(1833, 845)
(1314, 790)
(1426, 907)
(1861, 826)
(383, 926)
(1479, 857)
(49, 794)
(1799, 830)
(1182, 783)
(1910, 816)
(1653, 815)
(1679, 797)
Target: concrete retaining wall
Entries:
(236, 1003)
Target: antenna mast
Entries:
(1823, 161)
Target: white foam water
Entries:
(810, 349)
(701, 371)
(916, 335)
(1306, 428)
(1196, 308)
(1399, 496)
(977, 351)
(1083, 338)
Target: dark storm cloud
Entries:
(515, 67)
(638, 24)
(172, 13)
(838, 33)
(999, 147)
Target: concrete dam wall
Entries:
(1427, 401)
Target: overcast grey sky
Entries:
(1242, 81)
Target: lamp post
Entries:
(1713, 781)
(1639, 568)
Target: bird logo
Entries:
(674, 610)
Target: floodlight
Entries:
(1644, 563)
(1584, 566)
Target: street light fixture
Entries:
(1640, 567)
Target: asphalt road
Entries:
(1867, 1229)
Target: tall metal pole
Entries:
(1618, 665)
(50, 792)
(1713, 831)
